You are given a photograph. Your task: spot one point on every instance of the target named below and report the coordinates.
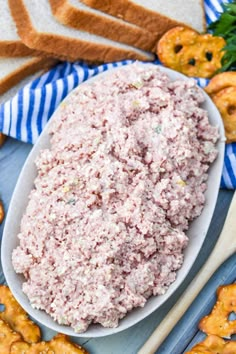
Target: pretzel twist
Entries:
(191, 53)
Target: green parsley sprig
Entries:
(225, 27)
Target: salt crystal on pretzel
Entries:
(191, 53)
(19, 348)
(7, 337)
(221, 81)
(57, 345)
(16, 317)
(217, 322)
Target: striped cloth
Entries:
(25, 115)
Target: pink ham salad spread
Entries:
(105, 225)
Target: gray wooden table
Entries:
(12, 157)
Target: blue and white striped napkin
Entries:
(25, 115)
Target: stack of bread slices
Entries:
(35, 34)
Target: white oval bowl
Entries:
(196, 233)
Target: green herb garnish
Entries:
(225, 27)
(71, 201)
(158, 129)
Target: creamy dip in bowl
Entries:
(121, 172)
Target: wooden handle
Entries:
(227, 243)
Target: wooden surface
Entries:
(12, 157)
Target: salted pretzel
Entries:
(225, 100)
(7, 337)
(14, 315)
(214, 345)
(171, 44)
(217, 321)
(57, 345)
(221, 81)
(191, 53)
(19, 335)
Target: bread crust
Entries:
(103, 26)
(203, 17)
(134, 13)
(14, 49)
(36, 64)
(71, 49)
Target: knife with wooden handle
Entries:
(225, 247)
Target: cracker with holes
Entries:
(14, 315)
(217, 322)
(191, 53)
(7, 337)
(57, 345)
(214, 345)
